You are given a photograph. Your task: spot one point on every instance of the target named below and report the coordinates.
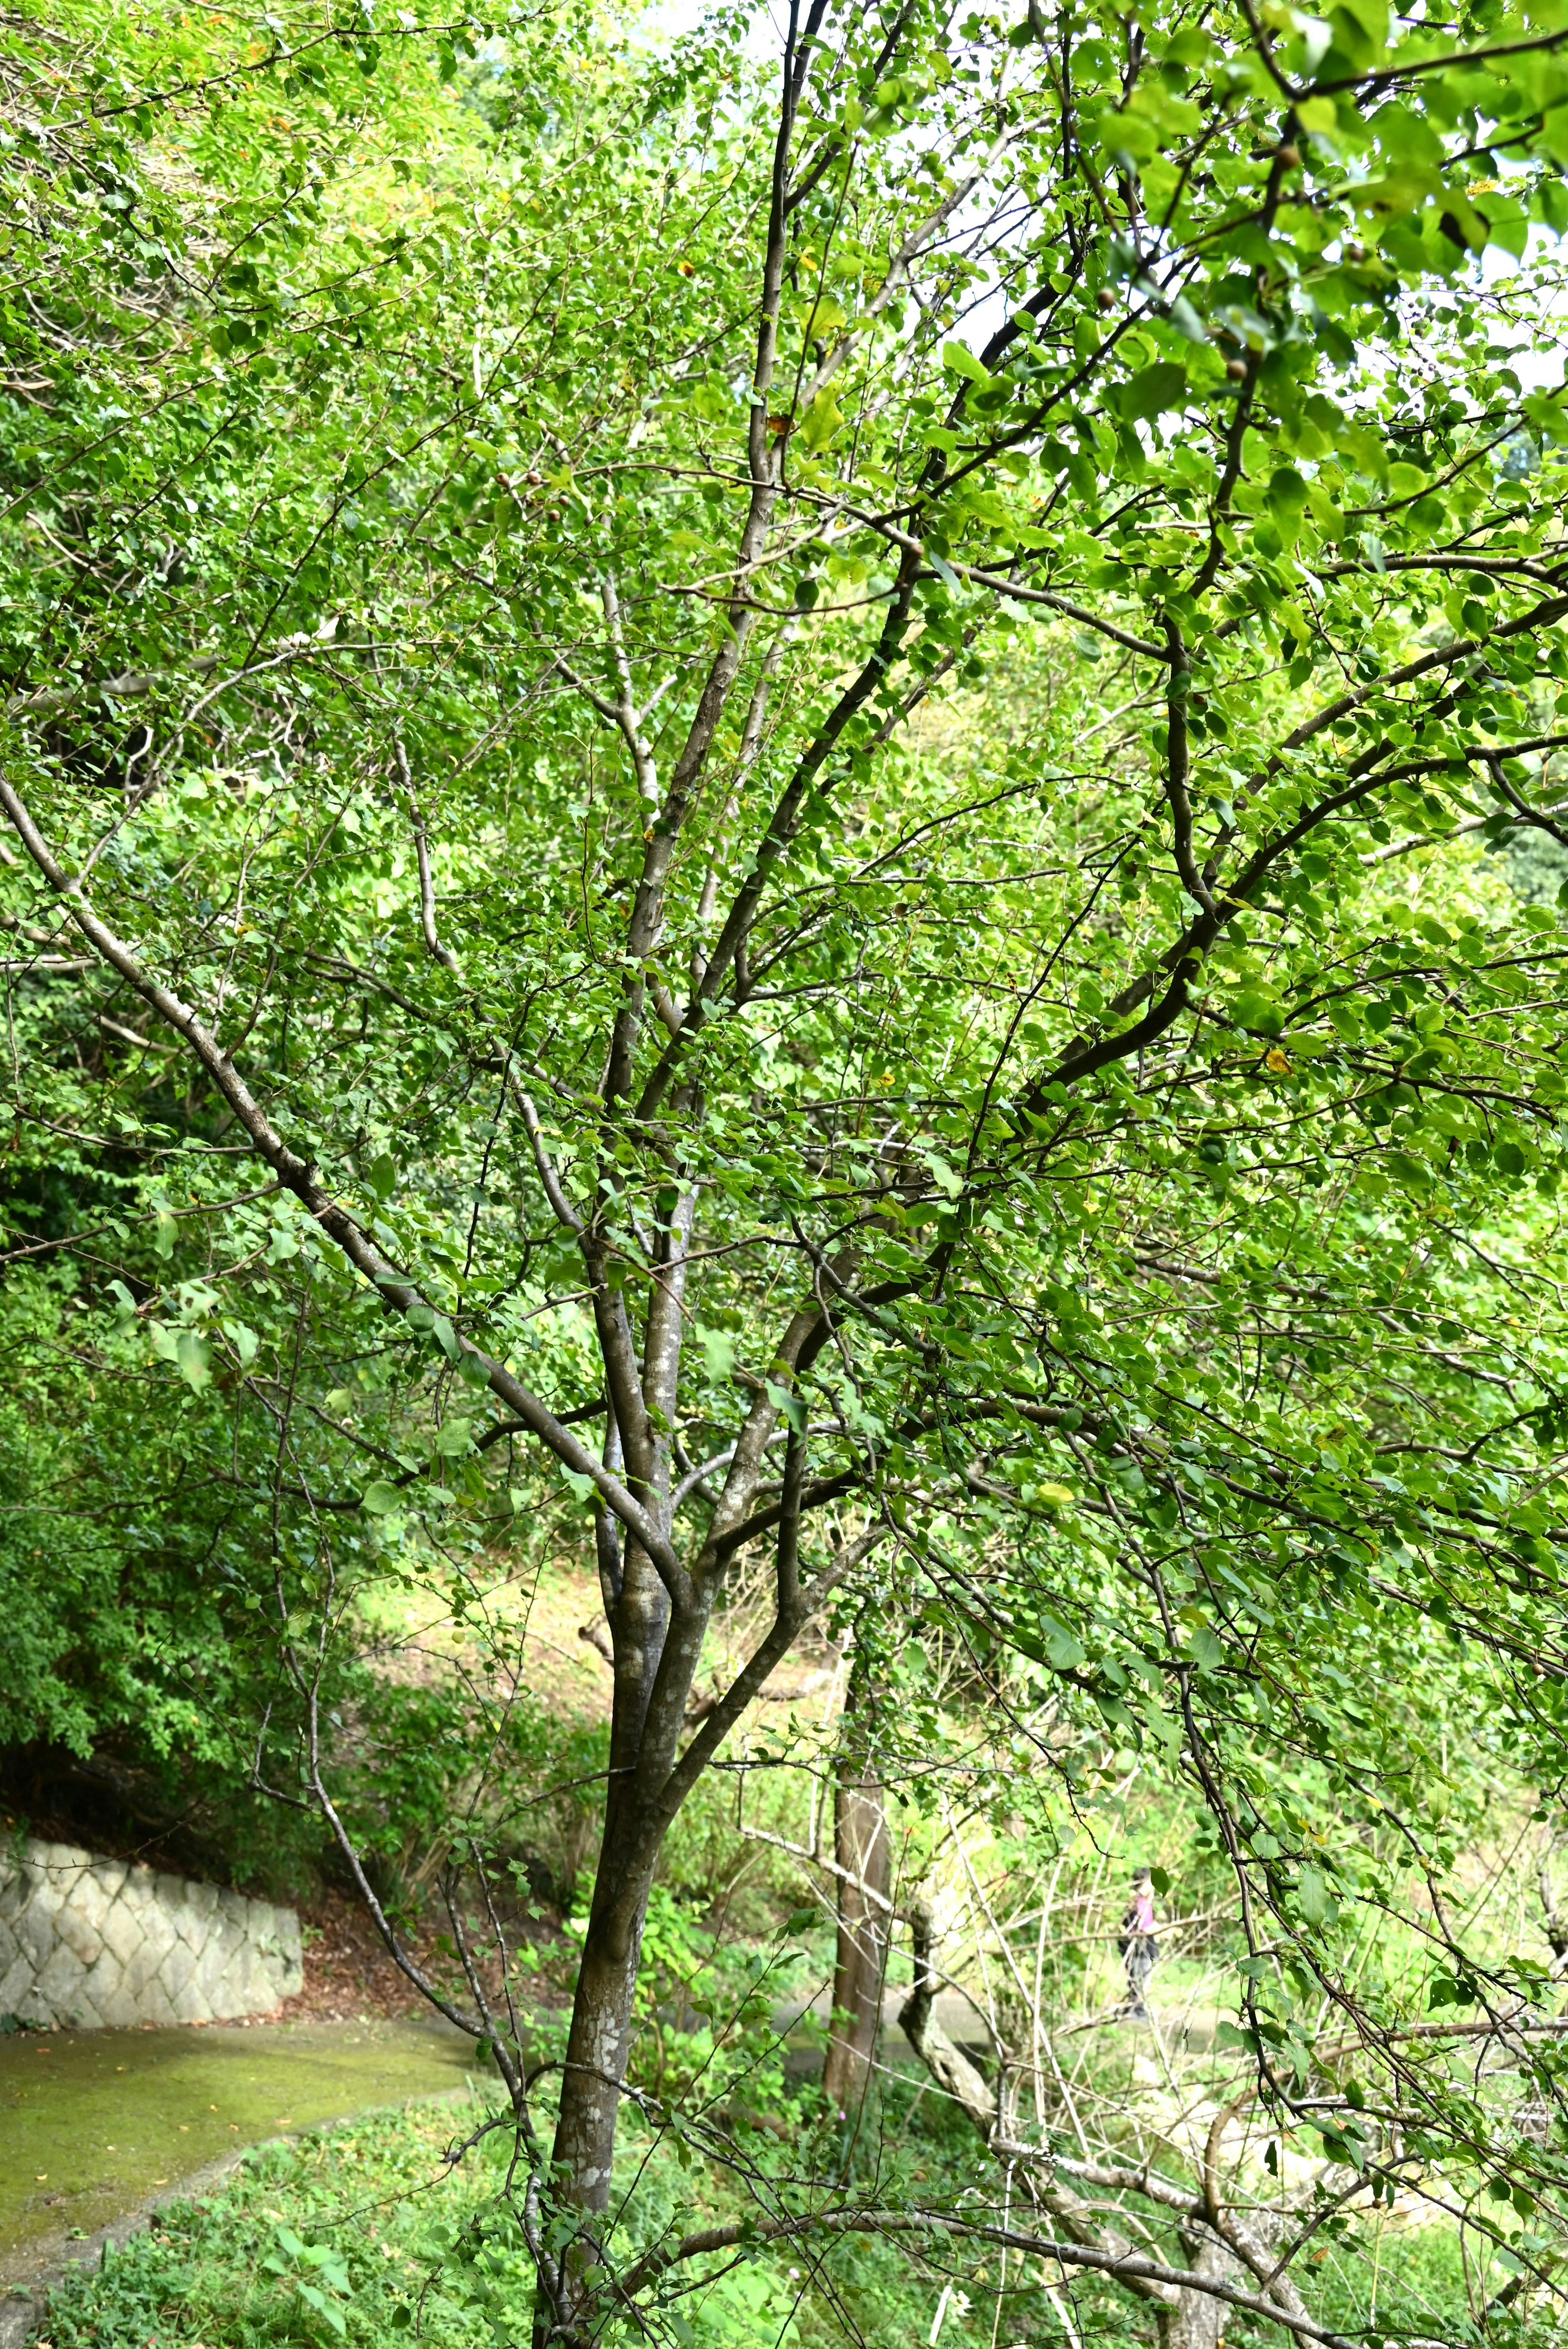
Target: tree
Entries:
(1068, 1172)
(862, 1859)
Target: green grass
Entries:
(363, 2236)
(95, 2123)
(335, 2235)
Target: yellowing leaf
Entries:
(821, 421)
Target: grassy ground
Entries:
(335, 2234)
(93, 2123)
(366, 2235)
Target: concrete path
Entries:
(95, 2125)
(958, 2015)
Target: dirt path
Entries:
(96, 2124)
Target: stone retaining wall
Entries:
(97, 1942)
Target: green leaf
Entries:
(1312, 1889)
(787, 1404)
(959, 360)
(379, 1498)
(948, 1180)
(1287, 491)
(1365, 449)
(1372, 16)
(244, 1339)
(1130, 137)
(1412, 1172)
(1066, 1652)
(323, 2306)
(187, 1350)
(1186, 320)
(1154, 390)
(1547, 414)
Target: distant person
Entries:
(1138, 1944)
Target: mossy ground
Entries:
(94, 2123)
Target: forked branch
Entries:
(398, 1293)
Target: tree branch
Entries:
(399, 1294)
(1129, 2268)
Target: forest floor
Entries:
(348, 1975)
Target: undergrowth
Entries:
(368, 2233)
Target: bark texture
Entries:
(1196, 2320)
(861, 1849)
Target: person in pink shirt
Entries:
(1138, 1944)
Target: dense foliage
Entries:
(762, 810)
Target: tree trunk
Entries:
(1197, 2319)
(598, 2043)
(861, 1849)
(597, 2047)
(947, 2064)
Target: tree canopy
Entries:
(762, 789)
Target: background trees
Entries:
(746, 794)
